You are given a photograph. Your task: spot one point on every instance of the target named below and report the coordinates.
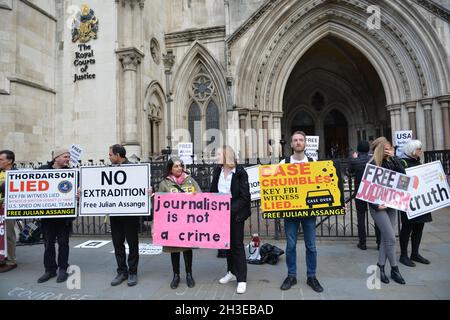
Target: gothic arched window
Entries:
(194, 121)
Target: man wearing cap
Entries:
(56, 229)
(356, 167)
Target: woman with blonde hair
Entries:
(232, 179)
(386, 218)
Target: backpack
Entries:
(31, 233)
(269, 254)
(288, 159)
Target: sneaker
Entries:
(62, 276)
(241, 287)
(132, 280)
(46, 276)
(119, 279)
(288, 283)
(227, 278)
(7, 267)
(314, 284)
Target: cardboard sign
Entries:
(312, 147)
(185, 152)
(41, 194)
(432, 191)
(75, 154)
(92, 244)
(119, 190)
(192, 220)
(253, 181)
(401, 138)
(385, 187)
(298, 190)
(3, 246)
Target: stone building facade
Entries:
(247, 73)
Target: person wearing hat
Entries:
(56, 229)
(356, 168)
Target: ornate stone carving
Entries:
(130, 59)
(197, 34)
(435, 9)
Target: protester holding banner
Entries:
(298, 144)
(56, 229)
(385, 218)
(413, 228)
(7, 158)
(229, 178)
(122, 228)
(178, 180)
(356, 167)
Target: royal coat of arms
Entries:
(85, 25)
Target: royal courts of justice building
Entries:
(152, 73)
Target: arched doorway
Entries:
(336, 135)
(303, 122)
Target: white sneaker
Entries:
(228, 277)
(241, 287)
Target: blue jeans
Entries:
(309, 230)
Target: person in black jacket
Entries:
(386, 218)
(357, 167)
(413, 228)
(56, 229)
(233, 179)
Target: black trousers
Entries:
(57, 229)
(414, 230)
(236, 260)
(125, 228)
(175, 258)
(361, 213)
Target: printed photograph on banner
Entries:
(300, 190)
(200, 220)
(253, 181)
(119, 190)
(431, 191)
(92, 244)
(385, 187)
(41, 193)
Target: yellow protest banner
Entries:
(299, 190)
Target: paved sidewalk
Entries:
(342, 271)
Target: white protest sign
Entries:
(75, 154)
(145, 249)
(385, 187)
(253, 181)
(312, 147)
(3, 246)
(119, 190)
(185, 152)
(400, 139)
(41, 193)
(431, 189)
(92, 244)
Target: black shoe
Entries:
(362, 246)
(175, 281)
(383, 276)
(396, 276)
(132, 280)
(406, 261)
(62, 276)
(288, 283)
(189, 280)
(419, 258)
(46, 276)
(121, 277)
(314, 284)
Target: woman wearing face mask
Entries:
(232, 179)
(178, 180)
(386, 218)
(413, 228)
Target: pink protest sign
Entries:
(200, 220)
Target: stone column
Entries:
(427, 107)
(395, 111)
(169, 61)
(411, 107)
(254, 145)
(444, 101)
(242, 129)
(276, 134)
(130, 59)
(265, 135)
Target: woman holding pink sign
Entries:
(386, 218)
(178, 180)
(229, 178)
